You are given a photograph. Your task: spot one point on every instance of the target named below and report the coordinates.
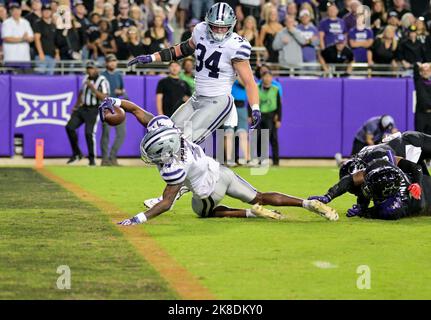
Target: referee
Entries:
(94, 89)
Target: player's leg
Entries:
(74, 123)
(230, 146)
(184, 113)
(91, 119)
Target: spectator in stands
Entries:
(427, 16)
(94, 89)
(379, 16)
(345, 9)
(241, 130)
(311, 35)
(249, 31)
(251, 7)
(116, 89)
(187, 74)
(400, 7)
(307, 6)
(331, 27)
(338, 53)
(261, 69)
(267, 34)
(422, 76)
(422, 30)
(171, 91)
(54, 7)
(17, 34)
(137, 16)
(419, 7)
(407, 21)
(134, 43)
(200, 7)
(289, 42)
(395, 22)
(105, 44)
(3, 17)
(373, 131)
(270, 106)
(292, 9)
(123, 20)
(411, 50)
(360, 37)
(35, 14)
(109, 12)
(187, 34)
(70, 40)
(44, 38)
(351, 17)
(99, 7)
(156, 37)
(81, 14)
(92, 34)
(384, 48)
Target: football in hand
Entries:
(114, 119)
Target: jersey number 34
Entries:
(211, 63)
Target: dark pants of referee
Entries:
(87, 115)
(268, 123)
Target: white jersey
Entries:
(193, 168)
(214, 70)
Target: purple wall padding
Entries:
(6, 141)
(363, 99)
(40, 108)
(311, 118)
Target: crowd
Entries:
(291, 31)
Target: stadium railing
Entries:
(362, 70)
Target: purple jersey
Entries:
(332, 28)
(309, 50)
(360, 53)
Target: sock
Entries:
(306, 204)
(249, 214)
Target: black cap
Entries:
(110, 57)
(90, 64)
(46, 6)
(13, 5)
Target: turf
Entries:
(42, 227)
(261, 259)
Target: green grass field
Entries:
(43, 226)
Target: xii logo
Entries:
(43, 109)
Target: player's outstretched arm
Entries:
(169, 195)
(243, 68)
(140, 114)
(176, 52)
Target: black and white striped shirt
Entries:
(88, 97)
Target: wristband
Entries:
(117, 102)
(255, 107)
(141, 217)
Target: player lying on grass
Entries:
(394, 185)
(181, 162)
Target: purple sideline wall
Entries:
(316, 123)
(365, 99)
(5, 129)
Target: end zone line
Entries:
(179, 279)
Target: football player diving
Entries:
(182, 162)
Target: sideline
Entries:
(178, 278)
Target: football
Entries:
(114, 119)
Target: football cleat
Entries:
(322, 210)
(260, 211)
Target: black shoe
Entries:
(92, 163)
(106, 163)
(74, 159)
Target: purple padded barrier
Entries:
(6, 141)
(410, 106)
(40, 108)
(364, 99)
(311, 117)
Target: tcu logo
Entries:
(44, 109)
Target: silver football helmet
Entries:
(220, 15)
(160, 145)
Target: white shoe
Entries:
(322, 210)
(338, 159)
(149, 203)
(260, 211)
(242, 162)
(253, 163)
